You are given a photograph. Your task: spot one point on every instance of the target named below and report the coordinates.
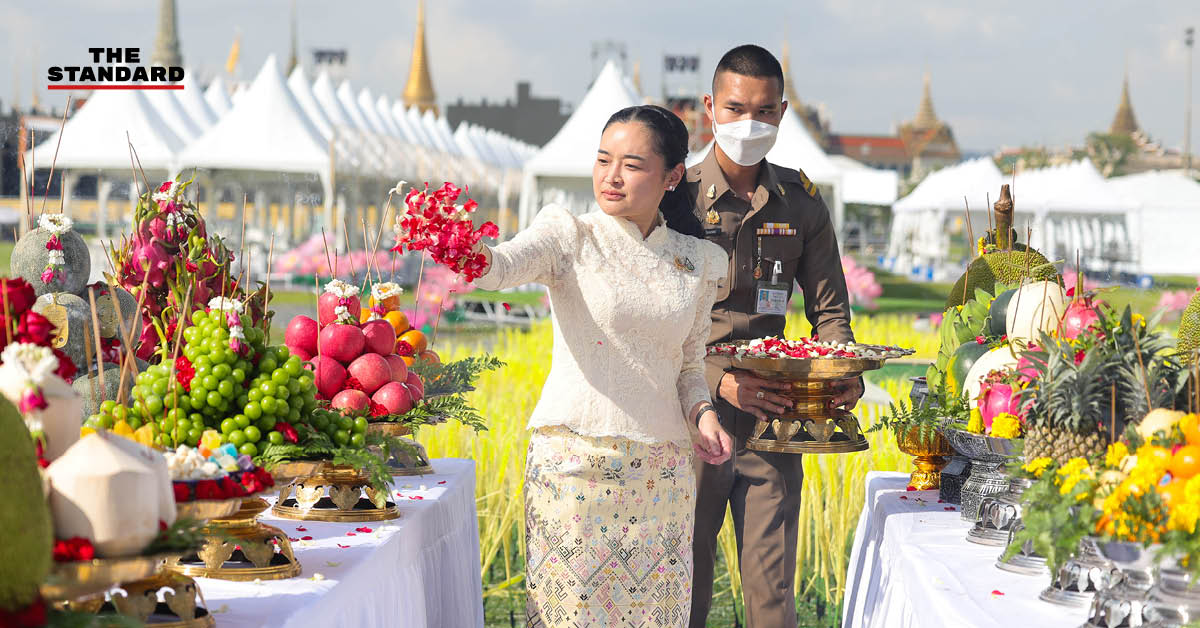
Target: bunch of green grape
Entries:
(341, 429)
(280, 391)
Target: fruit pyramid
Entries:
(1004, 259)
(1189, 330)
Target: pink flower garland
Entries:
(435, 224)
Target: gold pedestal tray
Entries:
(810, 426)
(181, 606)
(415, 462)
(78, 580)
(336, 493)
(930, 457)
(241, 549)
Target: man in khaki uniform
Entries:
(777, 230)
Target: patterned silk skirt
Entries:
(608, 531)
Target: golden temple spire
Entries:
(1124, 123)
(789, 89)
(926, 118)
(419, 90)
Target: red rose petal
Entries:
(442, 482)
(301, 529)
(909, 488)
(364, 530)
(415, 497)
(904, 497)
(293, 539)
(997, 592)
(507, 307)
(306, 538)
(941, 501)
(349, 534)
(950, 508)
(343, 546)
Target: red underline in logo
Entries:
(88, 86)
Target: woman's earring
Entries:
(670, 188)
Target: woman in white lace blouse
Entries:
(609, 484)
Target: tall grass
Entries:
(833, 487)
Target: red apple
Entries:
(399, 370)
(415, 386)
(371, 370)
(429, 357)
(327, 305)
(380, 335)
(342, 342)
(304, 356)
(301, 334)
(353, 400)
(329, 376)
(394, 397)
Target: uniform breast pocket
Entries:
(783, 249)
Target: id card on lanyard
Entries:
(771, 296)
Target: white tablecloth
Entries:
(416, 571)
(912, 566)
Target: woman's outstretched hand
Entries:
(715, 444)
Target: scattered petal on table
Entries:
(317, 577)
(905, 497)
(997, 593)
(343, 546)
(293, 539)
(423, 488)
(301, 529)
(415, 497)
(258, 581)
(442, 482)
(364, 530)
(330, 563)
(950, 508)
(306, 538)
(941, 501)
(910, 488)
(349, 534)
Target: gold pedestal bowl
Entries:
(238, 547)
(181, 605)
(84, 579)
(930, 457)
(810, 426)
(337, 493)
(413, 462)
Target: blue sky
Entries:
(1013, 73)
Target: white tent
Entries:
(95, 137)
(167, 104)
(1069, 208)
(366, 105)
(865, 185)
(1165, 219)
(194, 104)
(267, 130)
(561, 171)
(217, 97)
(345, 95)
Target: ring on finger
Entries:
(759, 395)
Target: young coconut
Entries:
(52, 409)
(998, 359)
(1035, 308)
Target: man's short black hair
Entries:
(750, 60)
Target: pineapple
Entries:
(1071, 411)
(1189, 330)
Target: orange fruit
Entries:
(364, 315)
(1190, 426)
(408, 360)
(430, 357)
(1156, 454)
(398, 320)
(1185, 462)
(1173, 493)
(416, 340)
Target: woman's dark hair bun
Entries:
(671, 143)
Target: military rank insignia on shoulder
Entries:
(807, 183)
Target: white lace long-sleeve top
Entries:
(630, 317)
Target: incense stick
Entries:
(328, 260)
(88, 355)
(7, 313)
(970, 231)
(96, 330)
(1137, 346)
(187, 306)
(267, 287)
(54, 161)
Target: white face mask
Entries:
(746, 142)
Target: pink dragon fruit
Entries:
(149, 256)
(1081, 314)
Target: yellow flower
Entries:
(1183, 517)
(975, 423)
(981, 246)
(1037, 466)
(1138, 319)
(1006, 425)
(1115, 454)
(1074, 466)
(1191, 490)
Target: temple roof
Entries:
(419, 90)
(1124, 123)
(926, 118)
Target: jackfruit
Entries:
(25, 527)
(1010, 263)
(1189, 331)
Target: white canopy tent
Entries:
(195, 107)
(561, 172)
(217, 97)
(1070, 208)
(171, 110)
(1164, 221)
(865, 185)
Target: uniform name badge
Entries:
(772, 296)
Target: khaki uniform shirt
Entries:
(810, 257)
